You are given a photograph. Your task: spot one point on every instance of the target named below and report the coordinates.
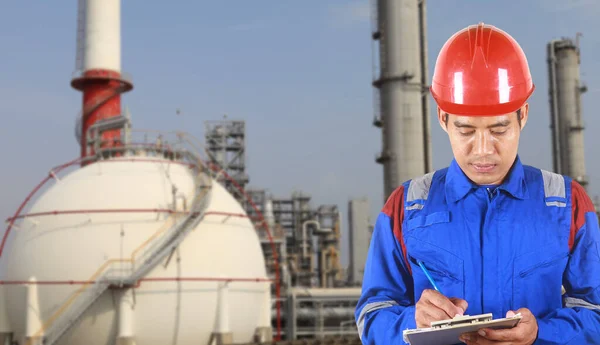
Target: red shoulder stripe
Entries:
(581, 204)
(394, 208)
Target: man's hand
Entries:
(524, 333)
(433, 306)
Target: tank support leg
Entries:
(264, 331)
(34, 331)
(222, 333)
(126, 306)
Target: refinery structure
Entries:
(178, 248)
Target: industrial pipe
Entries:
(350, 292)
(319, 231)
(424, 81)
(326, 312)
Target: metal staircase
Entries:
(126, 272)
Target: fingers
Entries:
(524, 333)
(526, 314)
(435, 314)
(433, 306)
(502, 334)
(461, 303)
(476, 339)
(442, 302)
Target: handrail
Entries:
(106, 210)
(122, 210)
(143, 244)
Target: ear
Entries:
(442, 119)
(524, 114)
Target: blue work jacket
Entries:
(504, 248)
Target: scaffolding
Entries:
(225, 142)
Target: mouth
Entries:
(483, 168)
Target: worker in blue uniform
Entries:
(487, 234)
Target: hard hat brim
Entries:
(450, 104)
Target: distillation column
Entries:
(566, 119)
(402, 97)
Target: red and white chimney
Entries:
(99, 70)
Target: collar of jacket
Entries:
(458, 184)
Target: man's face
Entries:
(484, 147)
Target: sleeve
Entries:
(386, 306)
(578, 322)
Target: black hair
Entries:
(519, 117)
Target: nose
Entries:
(484, 144)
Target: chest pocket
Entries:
(425, 242)
(537, 279)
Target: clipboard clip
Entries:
(462, 320)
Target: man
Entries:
(494, 235)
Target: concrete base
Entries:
(263, 335)
(125, 341)
(221, 339)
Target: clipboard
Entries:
(447, 332)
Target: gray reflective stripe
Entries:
(554, 187)
(418, 189)
(571, 302)
(360, 323)
(414, 207)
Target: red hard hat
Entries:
(481, 71)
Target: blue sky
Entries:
(298, 72)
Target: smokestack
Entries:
(98, 73)
(402, 97)
(566, 120)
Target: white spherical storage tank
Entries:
(110, 216)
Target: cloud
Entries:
(357, 12)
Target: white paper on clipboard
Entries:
(447, 332)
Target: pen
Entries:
(429, 277)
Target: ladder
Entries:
(80, 44)
(128, 273)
